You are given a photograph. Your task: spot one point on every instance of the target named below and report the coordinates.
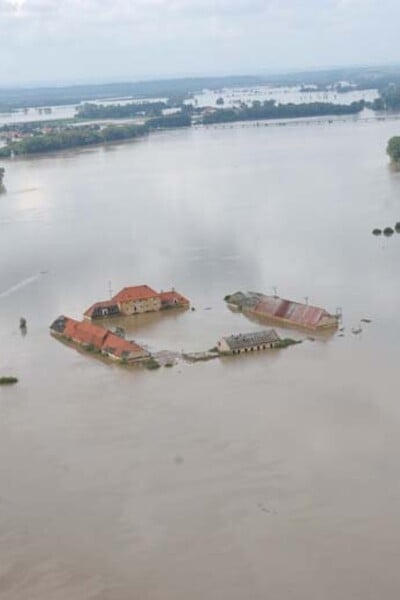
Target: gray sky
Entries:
(100, 40)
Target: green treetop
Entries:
(393, 148)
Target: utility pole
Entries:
(110, 290)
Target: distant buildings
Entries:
(135, 300)
(285, 312)
(248, 342)
(96, 339)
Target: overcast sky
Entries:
(100, 40)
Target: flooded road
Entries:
(273, 475)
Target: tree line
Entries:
(89, 135)
(120, 111)
(270, 110)
(69, 136)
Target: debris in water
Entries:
(366, 321)
(377, 231)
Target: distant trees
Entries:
(89, 135)
(220, 101)
(393, 149)
(120, 111)
(391, 97)
(270, 110)
(181, 119)
(72, 137)
(377, 104)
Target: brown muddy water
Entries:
(274, 475)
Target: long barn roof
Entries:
(248, 340)
(303, 315)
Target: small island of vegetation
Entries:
(8, 380)
(393, 149)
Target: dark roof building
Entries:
(245, 342)
(101, 310)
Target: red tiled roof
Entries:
(137, 292)
(70, 327)
(173, 296)
(119, 347)
(88, 334)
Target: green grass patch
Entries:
(8, 380)
(285, 342)
(151, 364)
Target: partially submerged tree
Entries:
(2, 173)
(393, 148)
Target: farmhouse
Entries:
(248, 342)
(97, 339)
(134, 300)
(137, 299)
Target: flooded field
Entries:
(282, 95)
(273, 475)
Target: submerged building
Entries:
(135, 300)
(285, 312)
(248, 342)
(97, 339)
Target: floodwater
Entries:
(273, 475)
(282, 95)
(67, 111)
(37, 114)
